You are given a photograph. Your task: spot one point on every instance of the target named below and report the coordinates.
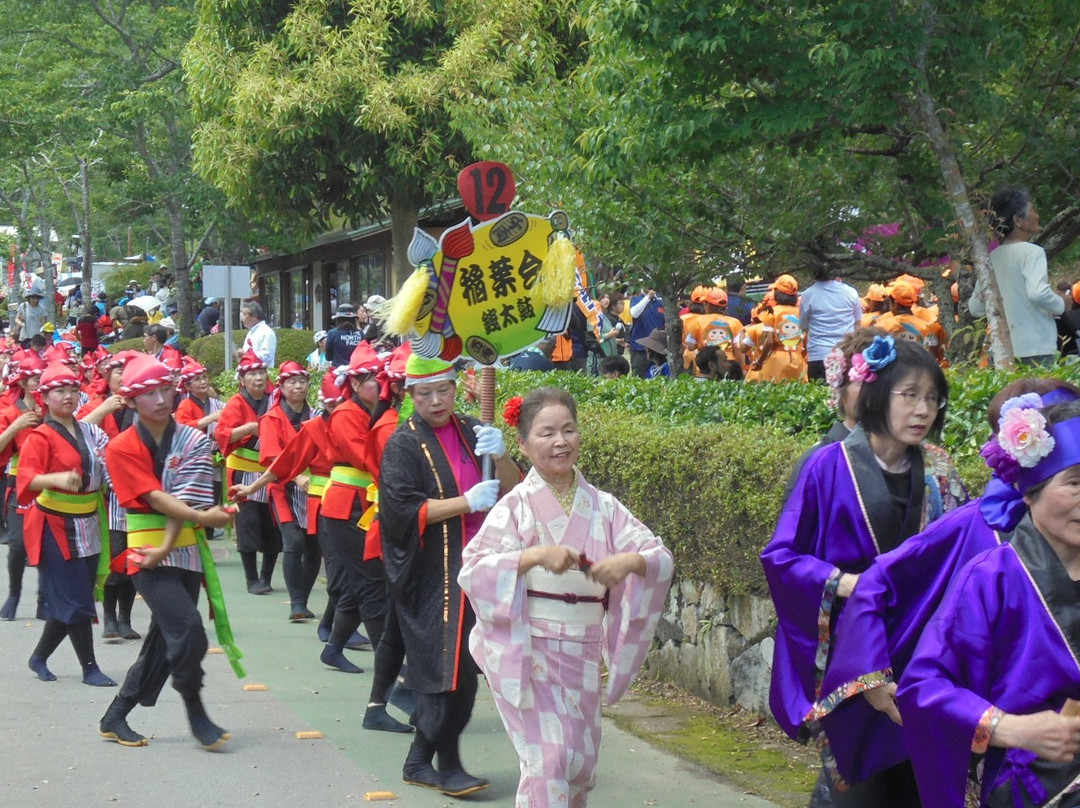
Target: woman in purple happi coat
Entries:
(853, 501)
(986, 697)
(886, 614)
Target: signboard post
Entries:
(219, 281)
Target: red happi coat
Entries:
(377, 437)
(306, 451)
(275, 433)
(45, 452)
(348, 430)
(235, 413)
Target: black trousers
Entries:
(815, 370)
(256, 531)
(442, 717)
(892, 788)
(176, 642)
(360, 585)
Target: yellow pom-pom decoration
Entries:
(556, 282)
(399, 313)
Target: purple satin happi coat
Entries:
(877, 633)
(830, 525)
(1006, 637)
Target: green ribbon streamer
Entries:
(105, 556)
(217, 606)
(220, 462)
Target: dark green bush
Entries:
(291, 344)
(712, 493)
(704, 465)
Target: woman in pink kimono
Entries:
(560, 576)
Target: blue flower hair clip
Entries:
(880, 353)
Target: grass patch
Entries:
(743, 749)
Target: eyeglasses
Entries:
(912, 399)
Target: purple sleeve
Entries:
(803, 588)
(945, 718)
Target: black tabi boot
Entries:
(269, 561)
(114, 725)
(418, 770)
(292, 569)
(125, 601)
(206, 732)
(82, 640)
(51, 636)
(110, 629)
(376, 718)
(16, 567)
(454, 781)
(251, 572)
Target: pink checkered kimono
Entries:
(544, 672)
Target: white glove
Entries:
(489, 441)
(482, 496)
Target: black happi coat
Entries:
(423, 566)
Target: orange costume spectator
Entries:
(714, 327)
(874, 305)
(783, 354)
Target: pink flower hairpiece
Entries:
(1022, 433)
(860, 370)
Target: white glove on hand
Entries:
(489, 441)
(482, 496)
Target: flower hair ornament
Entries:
(877, 355)
(1022, 439)
(835, 365)
(512, 411)
(1025, 452)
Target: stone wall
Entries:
(720, 647)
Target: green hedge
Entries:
(712, 494)
(291, 344)
(704, 464)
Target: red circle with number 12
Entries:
(487, 189)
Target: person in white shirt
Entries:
(828, 310)
(260, 338)
(1019, 268)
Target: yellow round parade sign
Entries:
(482, 299)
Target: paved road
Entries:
(51, 755)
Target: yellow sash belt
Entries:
(242, 459)
(350, 475)
(317, 485)
(148, 529)
(373, 508)
(70, 504)
(13, 465)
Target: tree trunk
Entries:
(673, 325)
(403, 220)
(956, 189)
(45, 251)
(179, 268)
(84, 236)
